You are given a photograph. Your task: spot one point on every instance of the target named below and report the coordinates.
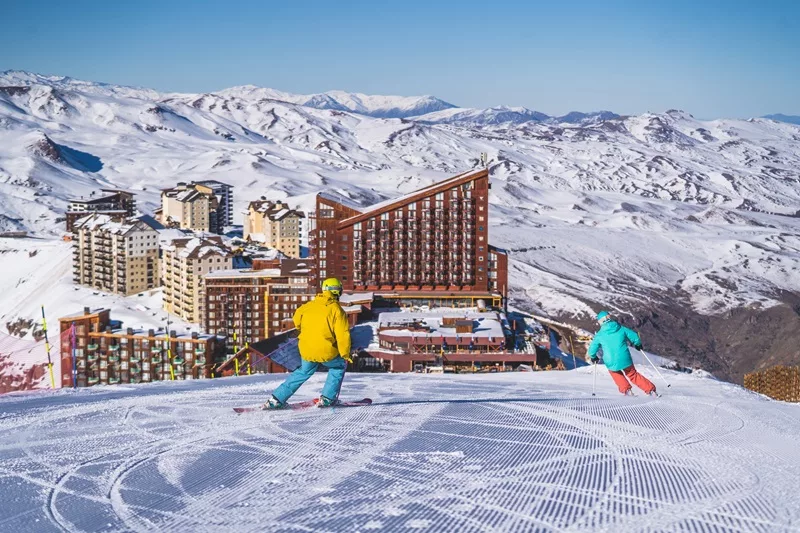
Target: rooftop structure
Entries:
(114, 202)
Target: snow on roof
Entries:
(356, 297)
(245, 273)
(214, 183)
(407, 197)
(485, 325)
(341, 199)
(95, 311)
(259, 237)
(196, 247)
(100, 222)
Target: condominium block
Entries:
(97, 350)
(190, 206)
(184, 262)
(274, 224)
(115, 254)
(224, 194)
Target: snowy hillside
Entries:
(654, 215)
(501, 453)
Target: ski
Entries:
(288, 407)
(304, 405)
(357, 403)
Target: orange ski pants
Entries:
(619, 377)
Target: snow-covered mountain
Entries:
(690, 226)
(363, 104)
(509, 115)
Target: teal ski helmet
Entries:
(603, 316)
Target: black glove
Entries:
(594, 360)
(638, 346)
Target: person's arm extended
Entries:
(341, 330)
(298, 317)
(593, 349)
(633, 338)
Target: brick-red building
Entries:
(97, 350)
(249, 305)
(430, 246)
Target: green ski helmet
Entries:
(332, 285)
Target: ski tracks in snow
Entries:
(439, 453)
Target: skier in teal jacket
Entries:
(614, 338)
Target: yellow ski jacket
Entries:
(324, 329)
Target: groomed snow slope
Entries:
(511, 452)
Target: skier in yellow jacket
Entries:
(324, 339)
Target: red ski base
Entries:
(304, 405)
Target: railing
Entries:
(779, 383)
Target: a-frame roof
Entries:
(431, 190)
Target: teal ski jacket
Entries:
(613, 338)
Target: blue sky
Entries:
(711, 58)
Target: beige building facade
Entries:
(115, 254)
(276, 225)
(184, 263)
(191, 206)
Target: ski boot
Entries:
(629, 392)
(273, 403)
(654, 394)
(326, 402)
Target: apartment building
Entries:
(97, 350)
(224, 194)
(274, 224)
(428, 247)
(113, 202)
(115, 254)
(248, 305)
(190, 206)
(184, 262)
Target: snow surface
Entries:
(504, 452)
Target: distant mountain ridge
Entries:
(789, 119)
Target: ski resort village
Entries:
(501, 320)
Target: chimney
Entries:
(87, 311)
(151, 333)
(130, 331)
(173, 333)
(194, 334)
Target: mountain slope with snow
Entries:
(500, 452)
(662, 217)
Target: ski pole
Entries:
(47, 347)
(655, 368)
(594, 377)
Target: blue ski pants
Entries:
(333, 383)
